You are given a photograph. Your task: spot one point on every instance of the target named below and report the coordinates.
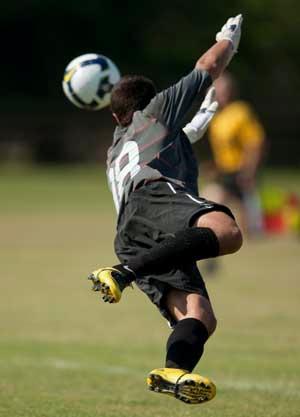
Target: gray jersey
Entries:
(154, 145)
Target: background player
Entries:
(237, 141)
(163, 225)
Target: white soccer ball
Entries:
(88, 81)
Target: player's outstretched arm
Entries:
(197, 127)
(216, 59)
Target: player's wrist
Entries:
(227, 41)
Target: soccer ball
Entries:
(88, 81)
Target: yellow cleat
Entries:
(110, 282)
(186, 387)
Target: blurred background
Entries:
(62, 352)
(163, 42)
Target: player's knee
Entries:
(230, 239)
(212, 325)
(236, 239)
(209, 320)
(226, 230)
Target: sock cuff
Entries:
(185, 344)
(127, 274)
(188, 245)
(201, 237)
(197, 327)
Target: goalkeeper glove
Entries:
(197, 127)
(231, 31)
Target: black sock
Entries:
(127, 275)
(186, 344)
(185, 246)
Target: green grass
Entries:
(64, 354)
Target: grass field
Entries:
(65, 354)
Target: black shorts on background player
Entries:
(230, 182)
(153, 212)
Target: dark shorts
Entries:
(230, 183)
(153, 212)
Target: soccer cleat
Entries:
(186, 387)
(110, 282)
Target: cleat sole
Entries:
(158, 384)
(188, 391)
(194, 392)
(104, 283)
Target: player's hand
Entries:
(197, 127)
(231, 31)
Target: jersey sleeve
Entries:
(171, 105)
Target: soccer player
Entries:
(164, 227)
(237, 142)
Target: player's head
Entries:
(131, 93)
(226, 89)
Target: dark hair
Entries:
(131, 93)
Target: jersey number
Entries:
(117, 175)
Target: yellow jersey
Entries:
(231, 132)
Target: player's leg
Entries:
(225, 193)
(214, 233)
(195, 323)
(161, 245)
(225, 229)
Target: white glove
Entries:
(231, 31)
(197, 127)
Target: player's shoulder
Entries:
(240, 106)
(142, 125)
(240, 109)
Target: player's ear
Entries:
(116, 118)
